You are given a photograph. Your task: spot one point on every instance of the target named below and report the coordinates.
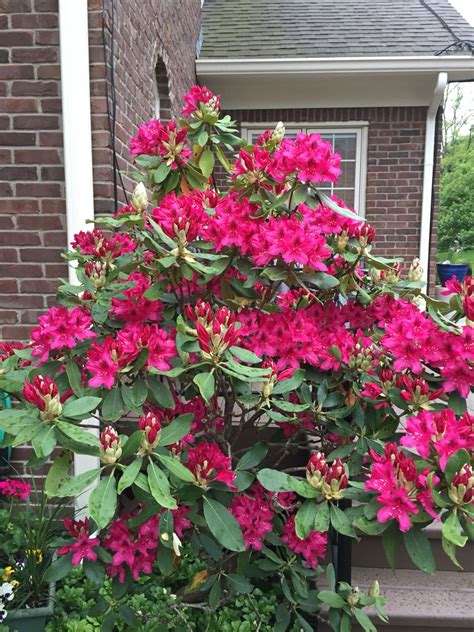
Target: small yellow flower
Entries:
(9, 570)
(36, 554)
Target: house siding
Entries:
(32, 196)
(395, 157)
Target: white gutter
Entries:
(76, 113)
(462, 65)
(426, 204)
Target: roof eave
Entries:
(459, 67)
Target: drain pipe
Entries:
(76, 114)
(428, 174)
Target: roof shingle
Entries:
(328, 28)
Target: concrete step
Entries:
(369, 553)
(418, 602)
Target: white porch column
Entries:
(76, 112)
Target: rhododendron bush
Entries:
(249, 364)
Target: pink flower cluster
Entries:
(395, 479)
(83, 546)
(312, 548)
(135, 308)
(15, 489)
(96, 243)
(198, 95)
(439, 434)
(184, 213)
(162, 139)
(310, 157)
(60, 328)
(208, 464)
(415, 340)
(254, 513)
(111, 355)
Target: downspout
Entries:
(428, 174)
(77, 135)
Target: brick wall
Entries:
(394, 166)
(32, 228)
(149, 36)
(32, 204)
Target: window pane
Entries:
(345, 144)
(347, 177)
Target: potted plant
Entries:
(454, 266)
(248, 376)
(30, 526)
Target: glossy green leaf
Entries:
(160, 487)
(103, 501)
(223, 526)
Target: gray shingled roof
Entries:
(328, 28)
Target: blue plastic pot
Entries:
(447, 270)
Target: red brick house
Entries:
(78, 76)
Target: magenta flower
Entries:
(312, 548)
(15, 489)
(255, 517)
(209, 464)
(83, 546)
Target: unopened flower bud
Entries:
(97, 273)
(278, 132)
(374, 589)
(139, 198)
(316, 469)
(177, 545)
(461, 490)
(151, 426)
(341, 241)
(335, 481)
(393, 275)
(415, 272)
(353, 598)
(110, 446)
(43, 393)
(366, 235)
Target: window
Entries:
(348, 140)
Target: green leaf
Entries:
(450, 549)
(452, 530)
(44, 441)
(74, 485)
(176, 430)
(174, 465)
(304, 519)
(161, 173)
(253, 457)
(160, 487)
(132, 444)
(274, 481)
(419, 550)
(94, 571)
(323, 280)
(364, 620)
(239, 583)
(245, 355)
(455, 463)
(103, 501)
(321, 521)
(58, 473)
(206, 384)
(59, 568)
(160, 392)
(340, 522)
(223, 526)
(113, 406)
(392, 539)
(206, 162)
(73, 373)
(80, 407)
(331, 598)
(291, 384)
(129, 475)
(282, 618)
(78, 434)
(338, 209)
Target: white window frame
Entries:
(359, 128)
